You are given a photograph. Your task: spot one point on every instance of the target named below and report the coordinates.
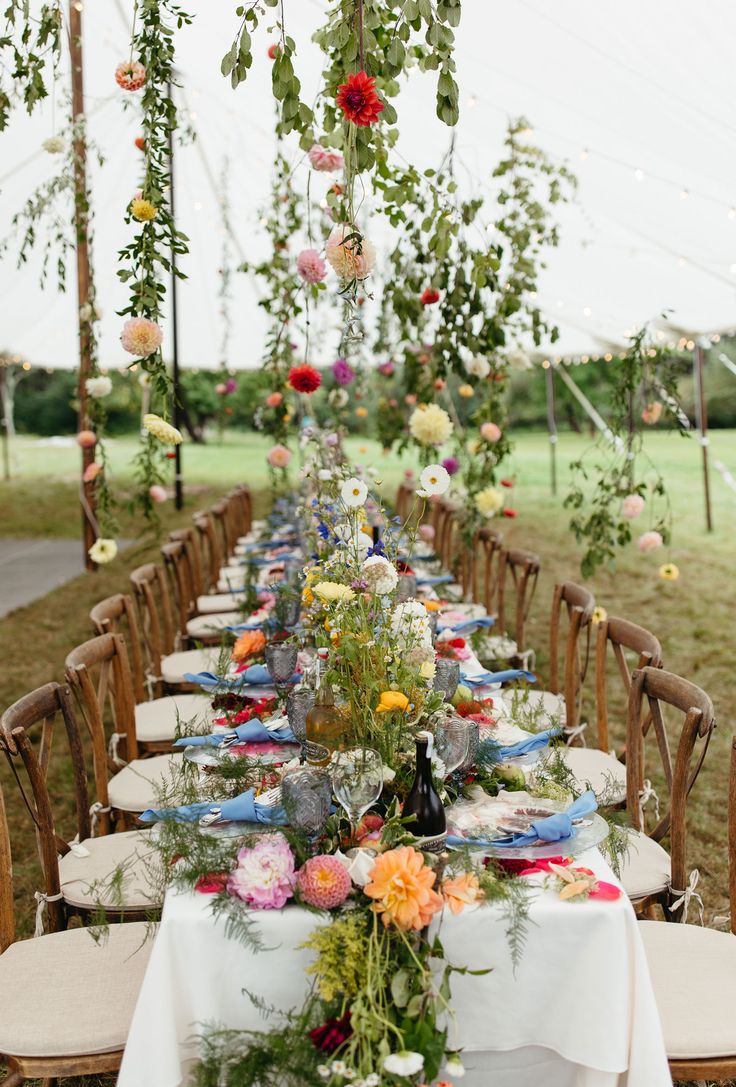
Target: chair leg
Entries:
(15, 1079)
(49, 1082)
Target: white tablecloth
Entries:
(578, 1012)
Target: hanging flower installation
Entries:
(304, 379)
(130, 75)
(358, 100)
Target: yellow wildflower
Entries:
(392, 700)
(669, 572)
(143, 210)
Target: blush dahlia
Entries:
(358, 100)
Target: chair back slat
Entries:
(662, 689)
(522, 568)
(157, 629)
(621, 636)
(7, 910)
(176, 563)
(578, 604)
(209, 548)
(484, 573)
(117, 614)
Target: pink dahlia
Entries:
(310, 266)
(342, 372)
(323, 882)
(632, 506)
(157, 493)
(278, 456)
(386, 368)
(130, 75)
(264, 876)
(352, 255)
(325, 160)
(274, 399)
(86, 439)
(490, 432)
(141, 337)
(650, 541)
(91, 472)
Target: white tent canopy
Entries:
(637, 98)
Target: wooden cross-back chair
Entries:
(620, 636)
(485, 553)
(209, 549)
(693, 972)
(98, 673)
(69, 999)
(225, 531)
(80, 873)
(117, 614)
(194, 626)
(521, 569)
(578, 604)
(243, 508)
(651, 690)
(404, 499)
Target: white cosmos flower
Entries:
(477, 366)
(353, 493)
(404, 1063)
(434, 480)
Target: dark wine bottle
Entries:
(429, 825)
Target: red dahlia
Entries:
(508, 512)
(507, 482)
(334, 1033)
(358, 99)
(140, 143)
(430, 295)
(305, 379)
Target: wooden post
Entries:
(701, 411)
(552, 428)
(176, 407)
(81, 217)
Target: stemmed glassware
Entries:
(306, 794)
(357, 780)
(452, 741)
(446, 677)
(298, 705)
(281, 662)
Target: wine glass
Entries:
(281, 662)
(452, 741)
(287, 609)
(298, 705)
(306, 794)
(357, 779)
(446, 677)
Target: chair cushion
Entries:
(218, 602)
(231, 579)
(203, 626)
(693, 971)
(543, 708)
(603, 772)
(91, 882)
(175, 665)
(647, 869)
(69, 995)
(139, 784)
(156, 721)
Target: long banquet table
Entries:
(578, 1011)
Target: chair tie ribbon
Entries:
(686, 896)
(645, 795)
(95, 811)
(41, 900)
(113, 748)
(571, 734)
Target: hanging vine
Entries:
(30, 50)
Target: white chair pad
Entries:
(231, 579)
(72, 996)
(175, 665)
(86, 881)
(544, 708)
(647, 869)
(203, 626)
(138, 785)
(156, 721)
(693, 971)
(598, 769)
(218, 602)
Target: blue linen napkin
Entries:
(253, 731)
(262, 624)
(552, 829)
(435, 579)
(239, 809)
(524, 747)
(482, 678)
(250, 561)
(256, 675)
(261, 545)
(468, 624)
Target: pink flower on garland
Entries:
(323, 882)
(92, 471)
(141, 337)
(264, 876)
(130, 75)
(324, 159)
(451, 465)
(386, 368)
(310, 266)
(278, 456)
(490, 432)
(157, 493)
(342, 372)
(650, 541)
(632, 506)
(274, 399)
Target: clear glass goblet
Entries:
(298, 705)
(452, 741)
(446, 677)
(281, 662)
(306, 795)
(357, 780)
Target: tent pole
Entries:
(702, 414)
(4, 423)
(81, 225)
(176, 412)
(552, 428)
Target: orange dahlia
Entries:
(461, 891)
(248, 644)
(401, 885)
(358, 100)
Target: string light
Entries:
(732, 213)
(471, 102)
(587, 311)
(639, 175)
(608, 356)
(684, 194)
(26, 365)
(584, 154)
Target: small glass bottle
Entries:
(326, 724)
(429, 825)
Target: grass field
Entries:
(693, 617)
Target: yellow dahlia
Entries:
(162, 430)
(489, 501)
(143, 210)
(430, 424)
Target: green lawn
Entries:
(693, 617)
